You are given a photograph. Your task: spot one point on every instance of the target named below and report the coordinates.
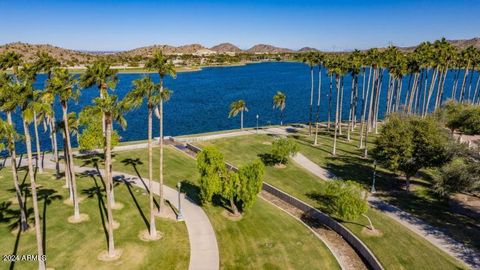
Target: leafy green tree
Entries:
(459, 175)
(282, 149)
(251, 181)
(230, 188)
(211, 167)
(346, 200)
(409, 143)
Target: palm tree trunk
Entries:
(364, 105)
(430, 91)
(68, 173)
(350, 116)
(455, 84)
(37, 141)
(53, 135)
(109, 189)
(311, 104)
(341, 107)
(13, 164)
(161, 203)
(33, 186)
(370, 112)
(475, 95)
(241, 119)
(337, 110)
(76, 211)
(233, 207)
(329, 103)
(462, 91)
(153, 229)
(317, 117)
(470, 83)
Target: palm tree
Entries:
(279, 102)
(25, 100)
(11, 60)
(100, 74)
(311, 60)
(145, 88)
(164, 67)
(7, 99)
(64, 85)
(113, 111)
(46, 63)
(236, 107)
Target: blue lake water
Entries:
(201, 99)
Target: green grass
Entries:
(265, 238)
(76, 246)
(398, 248)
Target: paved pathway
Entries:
(204, 254)
(432, 234)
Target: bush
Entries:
(345, 199)
(211, 167)
(458, 175)
(282, 149)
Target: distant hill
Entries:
(265, 48)
(308, 49)
(226, 48)
(464, 43)
(29, 52)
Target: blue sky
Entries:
(327, 25)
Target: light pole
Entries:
(179, 216)
(374, 174)
(257, 123)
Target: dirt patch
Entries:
(267, 143)
(70, 202)
(227, 214)
(80, 219)
(167, 212)
(107, 258)
(280, 166)
(145, 236)
(117, 206)
(374, 232)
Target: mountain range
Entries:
(29, 51)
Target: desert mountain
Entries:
(226, 48)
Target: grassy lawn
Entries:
(422, 202)
(398, 248)
(76, 246)
(265, 238)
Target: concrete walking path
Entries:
(430, 233)
(204, 254)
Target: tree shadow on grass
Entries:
(48, 196)
(129, 187)
(192, 191)
(134, 162)
(268, 159)
(96, 191)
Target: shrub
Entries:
(282, 149)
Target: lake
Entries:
(201, 99)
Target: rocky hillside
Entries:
(226, 48)
(264, 48)
(29, 52)
(464, 43)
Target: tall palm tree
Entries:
(64, 85)
(237, 107)
(320, 59)
(7, 101)
(311, 60)
(25, 100)
(145, 88)
(279, 101)
(100, 74)
(46, 63)
(113, 111)
(164, 67)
